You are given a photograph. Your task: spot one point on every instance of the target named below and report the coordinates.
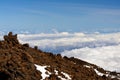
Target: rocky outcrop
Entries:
(17, 62)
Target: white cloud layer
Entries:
(107, 57)
(97, 48)
(59, 42)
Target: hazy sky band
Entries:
(62, 15)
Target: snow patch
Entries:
(43, 71)
(87, 66)
(107, 74)
(98, 73)
(56, 72)
(61, 78)
(66, 75)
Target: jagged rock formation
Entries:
(18, 62)
(15, 63)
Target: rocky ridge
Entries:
(22, 62)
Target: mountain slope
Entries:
(21, 62)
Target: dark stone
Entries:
(5, 76)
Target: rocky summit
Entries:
(22, 62)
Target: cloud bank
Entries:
(107, 57)
(67, 41)
(97, 48)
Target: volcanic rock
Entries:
(15, 63)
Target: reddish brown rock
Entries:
(15, 63)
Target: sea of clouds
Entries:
(59, 42)
(97, 48)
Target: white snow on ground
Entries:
(107, 74)
(87, 66)
(67, 77)
(61, 78)
(43, 71)
(98, 73)
(56, 72)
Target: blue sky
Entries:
(61, 15)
